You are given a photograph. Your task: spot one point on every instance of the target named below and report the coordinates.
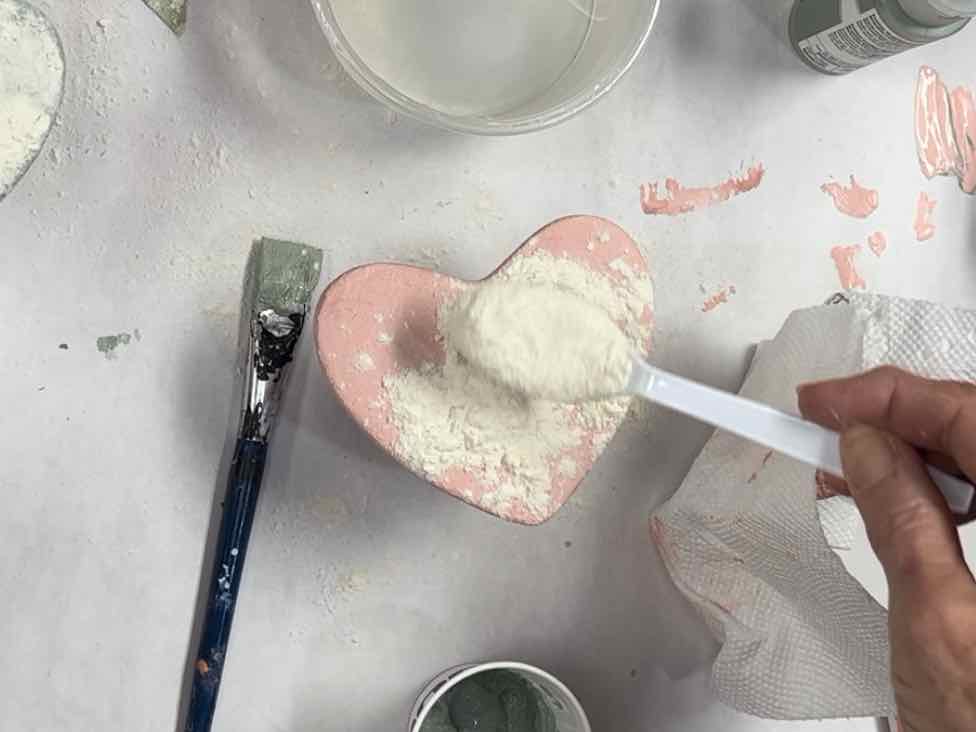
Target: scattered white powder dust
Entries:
(351, 582)
(364, 362)
(449, 417)
(384, 338)
(541, 341)
(602, 238)
(31, 75)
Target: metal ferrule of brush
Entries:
(271, 346)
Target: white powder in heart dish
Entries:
(542, 341)
(31, 74)
(451, 417)
(364, 362)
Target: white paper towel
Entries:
(746, 541)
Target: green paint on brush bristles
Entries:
(281, 276)
(172, 13)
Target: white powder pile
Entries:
(541, 341)
(451, 418)
(31, 74)
(364, 362)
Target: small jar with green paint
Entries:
(840, 36)
(497, 697)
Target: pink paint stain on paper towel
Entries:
(878, 243)
(924, 226)
(854, 200)
(945, 129)
(765, 461)
(719, 298)
(680, 200)
(844, 257)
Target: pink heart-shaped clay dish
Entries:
(379, 342)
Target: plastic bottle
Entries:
(840, 36)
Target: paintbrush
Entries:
(278, 283)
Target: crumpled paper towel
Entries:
(746, 541)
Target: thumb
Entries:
(908, 523)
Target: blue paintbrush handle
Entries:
(243, 487)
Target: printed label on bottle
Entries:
(853, 44)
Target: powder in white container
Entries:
(542, 341)
(31, 76)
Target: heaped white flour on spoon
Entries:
(542, 341)
(31, 75)
(452, 417)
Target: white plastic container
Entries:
(565, 708)
(496, 68)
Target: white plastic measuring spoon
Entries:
(805, 441)
(548, 343)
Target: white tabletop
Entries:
(362, 581)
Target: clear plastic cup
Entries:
(566, 709)
(494, 68)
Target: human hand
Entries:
(889, 420)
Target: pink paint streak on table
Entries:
(378, 319)
(924, 213)
(945, 129)
(854, 200)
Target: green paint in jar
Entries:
(491, 701)
(840, 36)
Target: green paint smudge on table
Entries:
(108, 343)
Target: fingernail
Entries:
(869, 456)
(810, 385)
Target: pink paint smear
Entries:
(878, 243)
(854, 200)
(680, 200)
(945, 129)
(924, 226)
(843, 257)
(719, 298)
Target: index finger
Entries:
(935, 415)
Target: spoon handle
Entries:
(805, 441)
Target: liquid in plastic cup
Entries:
(494, 68)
